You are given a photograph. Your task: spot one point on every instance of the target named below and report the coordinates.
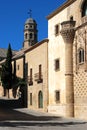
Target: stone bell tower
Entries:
(68, 33)
(30, 32)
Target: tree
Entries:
(6, 75)
(17, 82)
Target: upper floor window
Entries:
(56, 29)
(84, 9)
(18, 67)
(81, 55)
(71, 18)
(57, 64)
(30, 78)
(26, 71)
(30, 98)
(57, 96)
(40, 70)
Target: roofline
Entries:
(62, 7)
(29, 49)
(2, 62)
(7, 49)
(36, 45)
(16, 58)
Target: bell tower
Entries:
(30, 32)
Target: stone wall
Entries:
(35, 57)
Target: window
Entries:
(57, 64)
(31, 74)
(30, 35)
(40, 67)
(18, 67)
(30, 98)
(26, 36)
(56, 29)
(30, 78)
(71, 18)
(81, 55)
(26, 71)
(84, 8)
(31, 26)
(57, 96)
(40, 80)
(26, 26)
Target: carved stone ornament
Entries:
(68, 35)
(81, 36)
(68, 31)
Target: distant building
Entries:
(3, 53)
(55, 69)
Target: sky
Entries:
(13, 14)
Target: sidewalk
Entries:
(35, 113)
(45, 114)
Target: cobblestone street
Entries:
(25, 119)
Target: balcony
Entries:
(30, 80)
(38, 78)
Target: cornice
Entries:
(65, 5)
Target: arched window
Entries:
(30, 35)
(81, 55)
(84, 8)
(40, 99)
(26, 36)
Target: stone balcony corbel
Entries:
(68, 31)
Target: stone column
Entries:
(68, 33)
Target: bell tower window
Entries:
(26, 36)
(84, 9)
(30, 35)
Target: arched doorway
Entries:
(40, 99)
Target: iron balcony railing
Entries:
(38, 78)
(30, 80)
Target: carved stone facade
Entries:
(70, 46)
(80, 72)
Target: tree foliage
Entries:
(6, 74)
(17, 82)
(8, 79)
